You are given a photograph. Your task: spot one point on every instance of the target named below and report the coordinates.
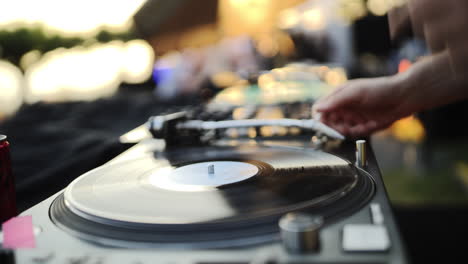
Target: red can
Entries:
(7, 183)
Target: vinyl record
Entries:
(216, 192)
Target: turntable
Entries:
(196, 193)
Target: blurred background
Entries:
(75, 75)
(57, 51)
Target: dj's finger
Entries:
(318, 105)
(342, 128)
(333, 118)
(325, 118)
(358, 131)
(353, 118)
(342, 96)
(367, 128)
(370, 126)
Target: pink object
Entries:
(18, 232)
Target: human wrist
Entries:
(429, 83)
(405, 87)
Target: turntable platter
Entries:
(219, 189)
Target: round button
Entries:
(300, 232)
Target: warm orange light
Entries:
(225, 78)
(409, 129)
(379, 7)
(352, 10)
(322, 71)
(265, 80)
(289, 18)
(404, 65)
(313, 19)
(267, 46)
(246, 17)
(233, 95)
(241, 113)
(252, 132)
(335, 77)
(270, 113)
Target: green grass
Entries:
(408, 187)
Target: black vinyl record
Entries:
(198, 197)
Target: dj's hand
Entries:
(363, 106)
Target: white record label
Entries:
(203, 175)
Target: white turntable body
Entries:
(366, 235)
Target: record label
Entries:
(203, 175)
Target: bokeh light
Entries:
(11, 88)
(335, 77)
(137, 62)
(379, 7)
(87, 73)
(409, 129)
(29, 58)
(404, 65)
(289, 18)
(313, 19)
(250, 17)
(352, 10)
(71, 17)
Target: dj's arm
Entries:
(361, 107)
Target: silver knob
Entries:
(300, 232)
(361, 154)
